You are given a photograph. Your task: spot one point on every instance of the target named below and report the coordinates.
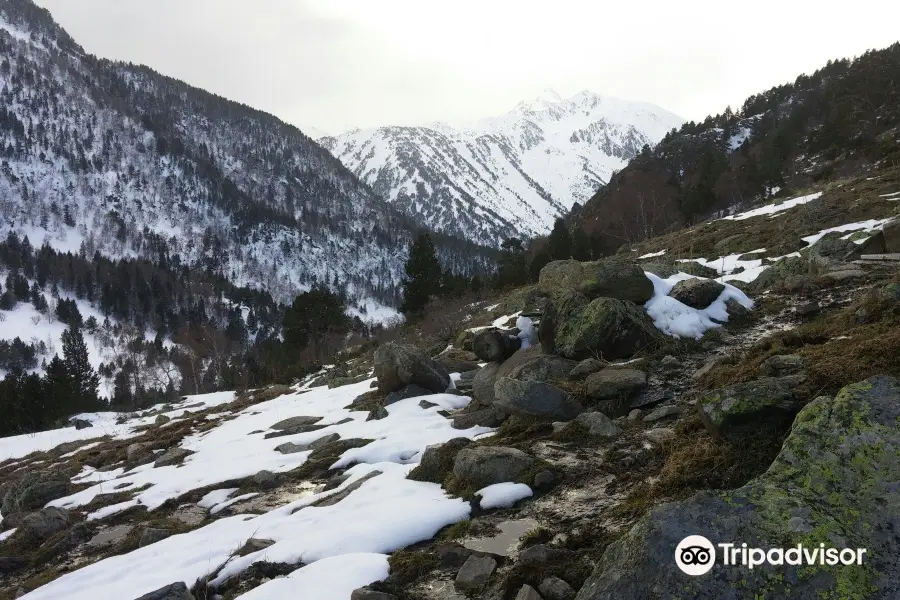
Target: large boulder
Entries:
(483, 383)
(38, 526)
(535, 399)
(833, 483)
(609, 278)
(574, 327)
(492, 345)
(437, 460)
(32, 491)
(612, 383)
(544, 367)
(479, 467)
(398, 365)
(697, 293)
(891, 234)
(769, 399)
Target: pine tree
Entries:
(513, 265)
(559, 244)
(423, 276)
(313, 316)
(83, 377)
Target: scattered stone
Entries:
(456, 365)
(437, 460)
(576, 328)
(662, 412)
(338, 496)
(545, 480)
(265, 479)
(43, 524)
(608, 278)
(452, 554)
(425, 404)
(540, 554)
(469, 375)
(364, 594)
(828, 485)
(294, 430)
(80, 423)
(845, 274)
(670, 363)
(323, 441)
(486, 465)
(257, 544)
(290, 448)
(161, 420)
(782, 364)
(293, 422)
(152, 535)
(635, 414)
(174, 591)
(377, 413)
(613, 383)
(526, 592)
(769, 399)
(190, 514)
(110, 536)
(535, 399)
(554, 588)
(138, 452)
(409, 391)
(659, 435)
(807, 309)
(475, 573)
(399, 365)
(544, 367)
(492, 345)
(586, 367)
(706, 368)
(486, 417)
(174, 456)
(697, 293)
(599, 425)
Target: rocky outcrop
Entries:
(482, 466)
(492, 345)
(612, 383)
(543, 367)
(599, 425)
(38, 526)
(609, 278)
(31, 492)
(833, 483)
(399, 365)
(770, 400)
(437, 460)
(535, 399)
(697, 293)
(293, 422)
(475, 573)
(577, 328)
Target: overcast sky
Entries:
(339, 64)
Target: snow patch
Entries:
(503, 495)
(679, 320)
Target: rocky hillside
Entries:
(557, 443)
(839, 121)
(506, 176)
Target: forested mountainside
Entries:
(507, 176)
(842, 118)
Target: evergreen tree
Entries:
(559, 244)
(512, 269)
(84, 380)
(423, 276)
(313, 316)
(581, 245)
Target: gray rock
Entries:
(483, 383)
(586, 367)
(377, 413)
(492, 345)
(659, 435)
(173, 456)
(110, 536)
(138, 452)
(43, 524)
(599, 425)
(475, 573)
(535, 399)
(11, 564)
(32, 491)
(608, 278)
(635, 414)
(455, 365)
(526, 592)
(807, 309)
(80, 423)
(670, 363)
(290, 448)
(174, 591)
(152, 535)
(265, 479)
(662, 412)
(257, 544)
(827, 486)
(437, 460)
(782, 364)
(409, 391)
(554, 588)
(486, 417)
(539, 555)
(697, 293)
(294, 430)
(293, 422)
(323, 441)
(161, 420)
(398, 365)
(545, 367)
(545, 480)
(769, 399)
(613, 383)
(364, 594)
(486, 465)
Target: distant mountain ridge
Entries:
(507, 175)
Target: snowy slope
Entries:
(512, 173)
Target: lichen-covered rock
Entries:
(833, 483)
(543, 367)
(483, 383)
(609, 278)
(398, 365)
(138, 452)
(770, 400)
(575, 328)
(612, 383)
(32, 491)
(697, 293)
(493, 345)
(173, 456)
(585, 368)
(437, 460)
(152, 535)
(831, 246)
(782, 364)
(554, 588)
(599, 425)
(486, 465)
(534, 399)
(789, 267)
(38, 526)
(475, 573)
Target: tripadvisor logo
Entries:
(696, 555)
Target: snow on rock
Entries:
(6, 534)
(526, 331)
(869, 225)
(678, 320)
(773, 209)
(503, 495)
(216, 497)
(223, 505)
(652, 254)
(332, 578)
